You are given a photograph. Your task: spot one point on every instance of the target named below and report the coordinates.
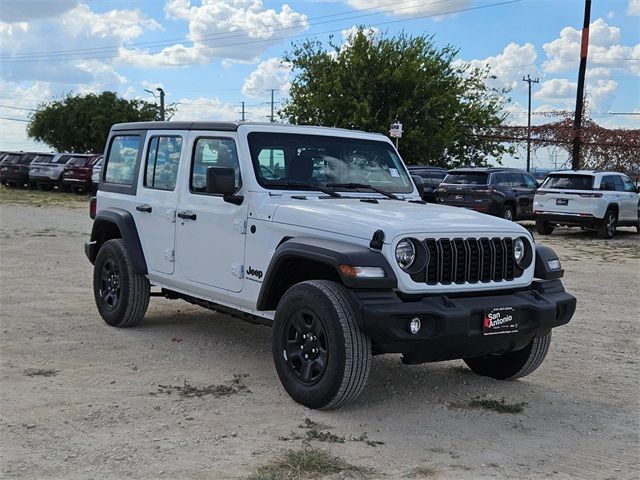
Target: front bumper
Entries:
(452, 327)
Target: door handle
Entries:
(144, 208)
(187, 215)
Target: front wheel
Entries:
(508, 213)
(321, 355)
(511, 366)
(122, 295)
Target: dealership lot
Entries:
(80, 399)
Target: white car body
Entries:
(587, 206)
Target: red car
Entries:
(77, 173)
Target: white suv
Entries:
(589, 199)
(322, 234)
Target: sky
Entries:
(211, 55)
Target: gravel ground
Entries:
(82, 400)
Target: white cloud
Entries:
(215, 109)
(233, 29)
(271, 73)
(556, 89)
(23, 10)
(562, 93)
(13, 134)
(604, 49)
(411, 8)
(634, 7)
(510, 66)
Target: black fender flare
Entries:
(331, 253)
(126, 225)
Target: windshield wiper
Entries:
(308, 186)
(355, 186)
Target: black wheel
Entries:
(508, 213)
(33, 186)
(11, 184)
(77, 190)
(121, 295)
(321, 355)
(514, 365)
(607, 228)
(46, 187)
(544, 228)
(638, 222)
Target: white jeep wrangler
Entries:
(322, 234)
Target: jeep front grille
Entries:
(469, 260)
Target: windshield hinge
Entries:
(170, 255)
(237, 270)
(240, 225)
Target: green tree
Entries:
(370, 82)
(81, 123)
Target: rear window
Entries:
(569, 182)
(27, 159)
(43, 158)
(78, 161)
(471, 178)
(12, 158)
(62, 159)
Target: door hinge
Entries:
(237, 270)
(171, 213)
(240, 225)
(170, 255)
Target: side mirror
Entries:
(417, 179)
(222, 181)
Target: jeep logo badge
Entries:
(254, 273)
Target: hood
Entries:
(353, 217)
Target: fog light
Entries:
(554, 264)
(414, 325)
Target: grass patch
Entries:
(424, 471)
(41, 372)
(187, 390)
(320, 432)
(365, 438)
(39, 198)
(304, 464)
(499, 406)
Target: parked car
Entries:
(95, 174)
(14, 171)
(47, 174)
(503, 192)
(341, 268)
(431, 178)
(77, 172)
(588, 199)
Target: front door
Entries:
(157, 199)
(524, 188)
(210, 233)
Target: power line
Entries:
(18, 108)
(506, 2)
(15, 119)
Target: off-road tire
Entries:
(607, 228)
(514, 365)
(133, 288)
(544, 228)
(509, 213)
(347, 348)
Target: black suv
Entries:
(503, 192)
(14, 171)
(431, 178)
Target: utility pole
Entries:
(272, 103)
(242, 111)
(161, 103)
(577, 121)
(530, 81)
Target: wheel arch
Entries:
(299, 259)
(117, 223)
(614, 207)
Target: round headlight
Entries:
(405, 253)
(519, 251)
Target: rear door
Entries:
(157, 199)
(628, 198)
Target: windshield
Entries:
(569, 182)
(43, 159)
(297, 159)
(11, 158)
(463, 178)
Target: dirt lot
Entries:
(193, 394)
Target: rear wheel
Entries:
(514, 365)
(321, 355)
(78, 190)
(508, 213)
(607, 228)
(544, 228)
(121, 295)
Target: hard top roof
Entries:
(485, 170)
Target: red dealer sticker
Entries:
(500, 320)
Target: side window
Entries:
(212, 152)
(628, 185)
(517, 180)
(122, 158)
(161, 168)
(271, 162)
(607, 183)
(618, 184)
(501, 180)
(530, 181)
